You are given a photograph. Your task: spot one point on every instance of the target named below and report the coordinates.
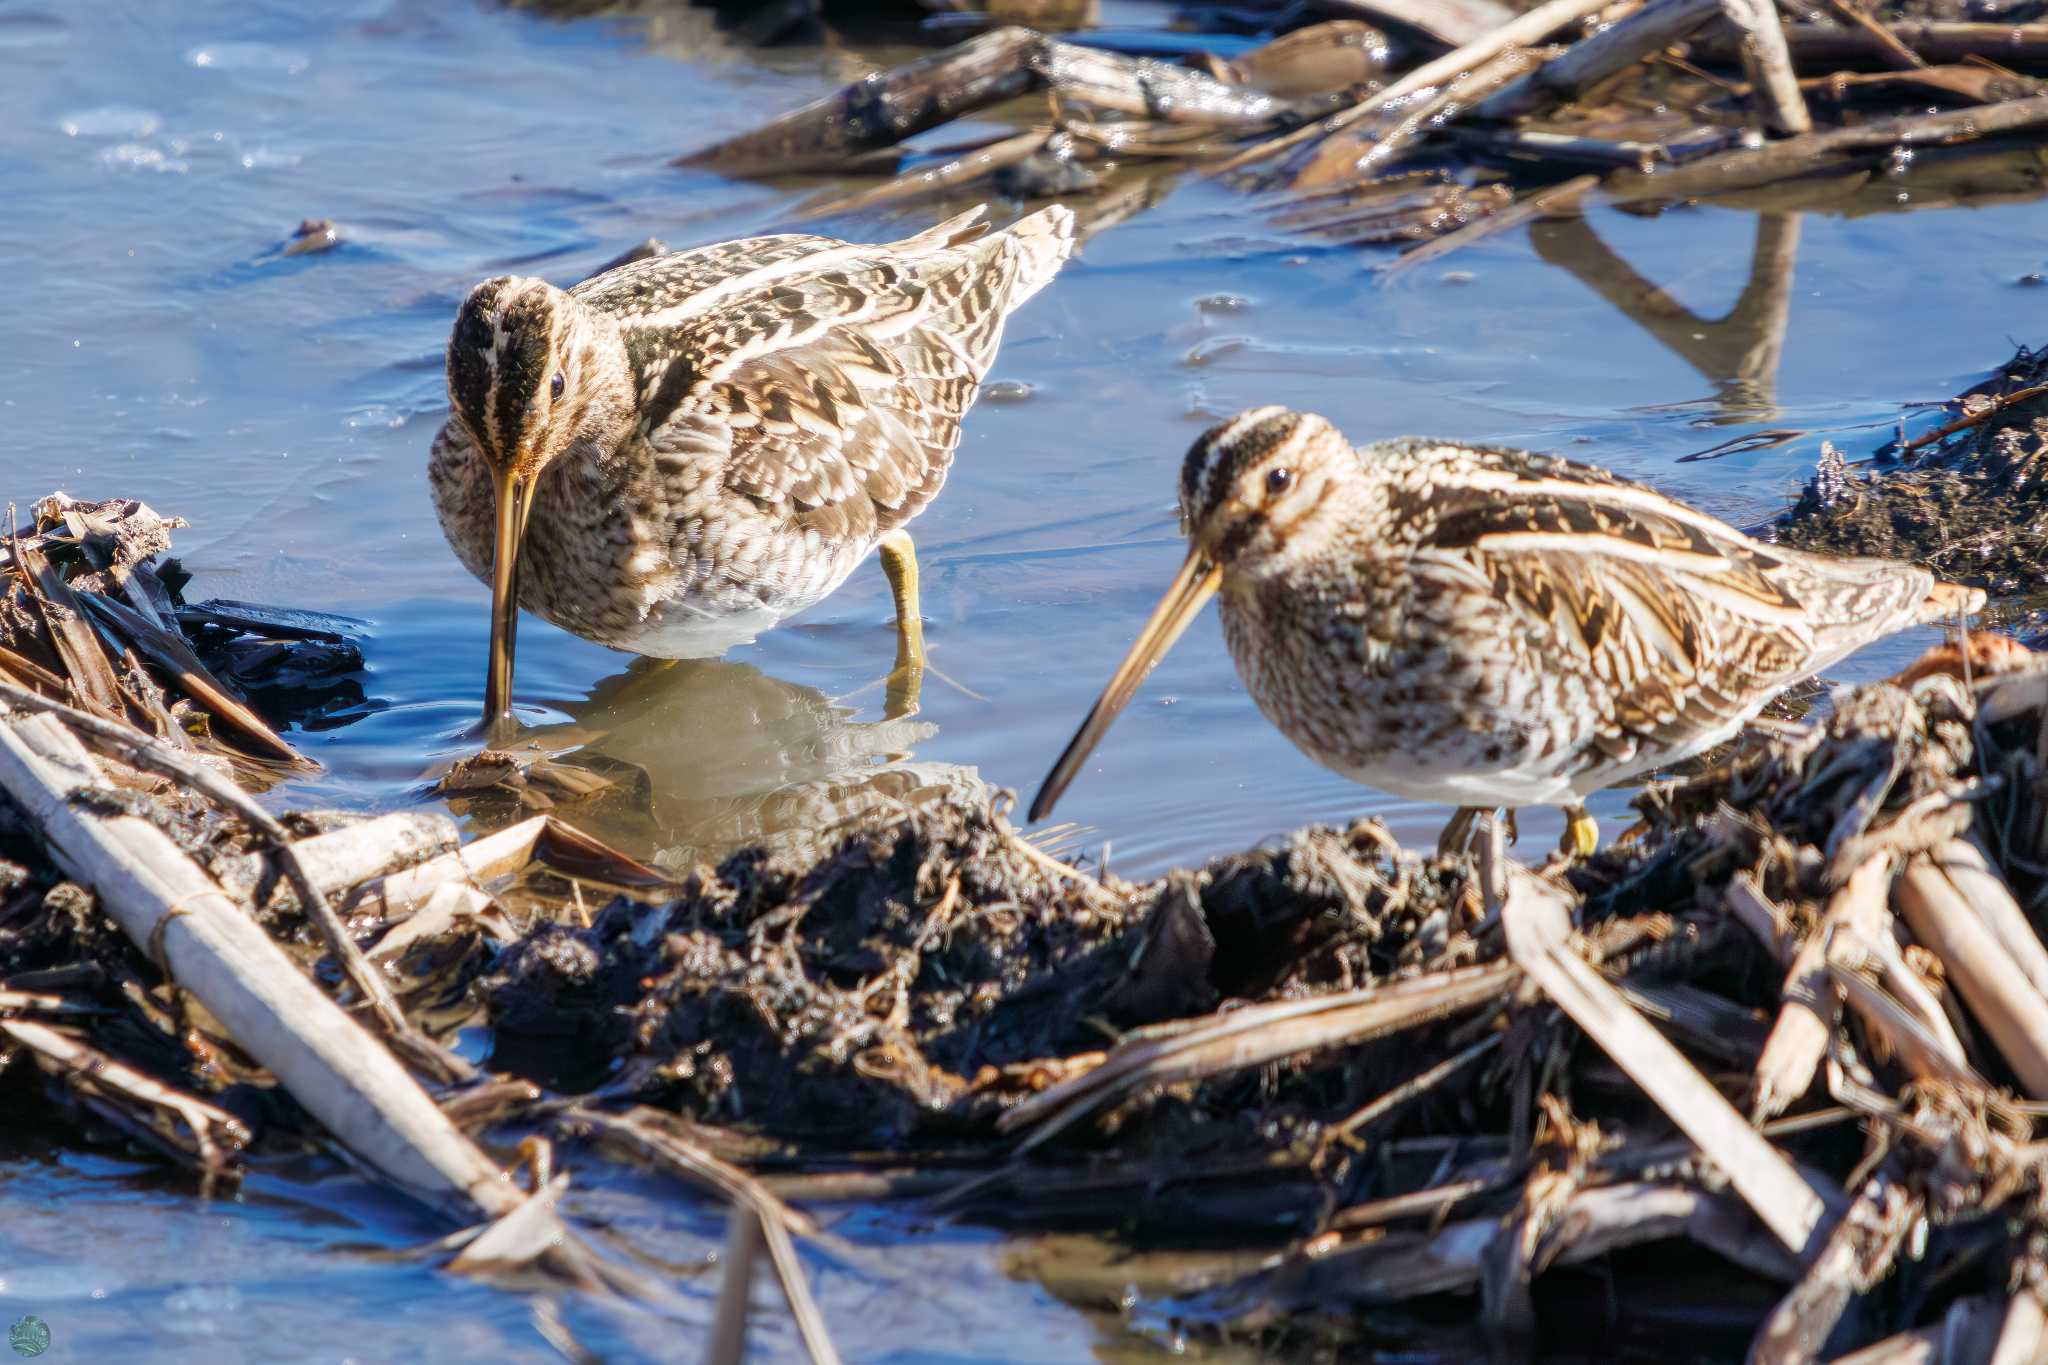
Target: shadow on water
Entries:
(1738, 351)
(703, 757)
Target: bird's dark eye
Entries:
(1277, 480)
(559, 383)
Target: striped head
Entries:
(1265, 488)
(1256, 494)
(519, 371)
(530, 373)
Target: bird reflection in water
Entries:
(698, 758)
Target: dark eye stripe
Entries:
(1214, 466)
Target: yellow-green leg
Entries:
(1581, 833)
(899, 562)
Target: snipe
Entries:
(1485, 627)
(676, 454)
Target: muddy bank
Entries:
(1967, 499)
(1325, 1092)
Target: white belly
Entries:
(1504, 787)
(676, 633)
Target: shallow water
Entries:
(154, 158)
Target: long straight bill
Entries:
(1192, 587)
(515, 499)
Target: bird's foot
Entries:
(1581, 833)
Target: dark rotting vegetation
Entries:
(1972, 506)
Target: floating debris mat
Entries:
(1653, 102)
(90, 613)
(1792, 1035)
(1966, 499)
(1769, 1071)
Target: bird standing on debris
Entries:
(1487, 627)
(672, 456)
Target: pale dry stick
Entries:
(1537, 920)
(689, 1161)
(1773, 84)
(1924, 1053)
(2011, 695)
(1251, 1036)
(1526, 30)
(477, 862)
(1967, 866)
(1896, 53)
(170, 908)
(1340, 158)
(345, 858)
(1797, 156)
(1911, 992)
(1997, 992)
(147, 752)
(1593, 59)
(1798, 1042)
(96, 1070)
(1759, 914)
(796, 1292)
(449, 903)
(1543, 203)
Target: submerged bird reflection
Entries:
(703, 757)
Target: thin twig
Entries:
(148, 752)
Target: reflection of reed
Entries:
(1739, 351)
(709, 756)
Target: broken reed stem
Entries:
(1750, 167)
(153, 754)
(1997, 991)
(1806, 1020)
(1894, 52)
(1537, 920)
(1526, 30)
(1593, 59)
(170, 909)
(1773, 84)
(1543, 203)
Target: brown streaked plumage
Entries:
(674, 455)
(1487, 627)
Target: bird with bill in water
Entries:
(678, 453)
(1490, 628)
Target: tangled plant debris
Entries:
(1966, 499)
(1375, 121)
(1788, 1032)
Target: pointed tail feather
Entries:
(1042, 241)
(955, 231)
